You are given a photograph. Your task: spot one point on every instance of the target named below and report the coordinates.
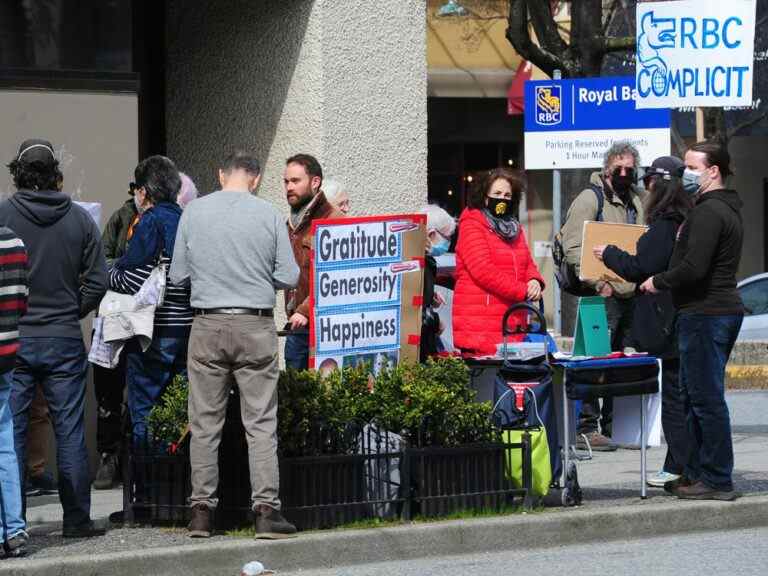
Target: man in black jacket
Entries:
(702, 278)
(67, 279)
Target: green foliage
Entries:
(168, 419)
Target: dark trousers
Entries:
(60, 366)
(110, 390)
(619, 312)
(297, 351)
(673, 418)
(148, 375)
(705, 345)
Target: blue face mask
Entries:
(691, 181)
(440, 248)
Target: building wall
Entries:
(342, 79)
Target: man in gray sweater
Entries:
(233, 247)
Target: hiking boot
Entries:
(200, 525)
(596, 441)
(108, 474)
(16, 546)
(85, 530)
(673, 486)
(660, 479)
(41, 484)
(700, 491)
(270, 524)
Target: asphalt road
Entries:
(741, 552)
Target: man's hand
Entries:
(598, 251)
(648, 287)
(605, 290)
(298, 321)
(534, 291)
(437, 300)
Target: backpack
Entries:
(565, 273)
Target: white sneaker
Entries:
(660, 478)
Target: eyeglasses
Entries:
(629, 172)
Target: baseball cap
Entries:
(36, 150)
(666, 167)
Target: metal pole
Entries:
(556, 223)
(643, 471)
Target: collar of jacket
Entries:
(318, 205)
(610, 196)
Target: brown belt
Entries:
(267, 312)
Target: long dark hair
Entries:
(478, 194)
(36, 175)
(666, 197)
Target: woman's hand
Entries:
(534, 290)
(604, 289)
(648, 287)
(598, 251)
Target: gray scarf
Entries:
(506, 228)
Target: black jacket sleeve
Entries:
(703, 236)
(654, 249)
(93, 271)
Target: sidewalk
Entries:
(612, 509)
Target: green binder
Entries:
(591, 338)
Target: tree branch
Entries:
(520, 38)
(544, 25)
(746, 124)
(618, 44)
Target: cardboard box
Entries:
(624, 236)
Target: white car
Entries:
(754, 294)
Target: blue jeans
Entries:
(148, 375)
(59, 365)
(297, 351)
(705, 345)
(11, 520)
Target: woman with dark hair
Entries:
(653, 328)
(494, 268)
(702, 279)
(148, 372)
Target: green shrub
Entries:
(168, 419)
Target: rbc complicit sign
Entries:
(695, 53)
(571, 123)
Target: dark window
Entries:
(755, 297)
(66, 35)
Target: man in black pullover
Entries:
(702, 278)
(67, 279)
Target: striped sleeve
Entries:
(14, 290)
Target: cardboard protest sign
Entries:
(695, 53)
(625, 236)
(366, 288)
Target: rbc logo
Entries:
(548, 105)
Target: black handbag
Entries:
(653, 325)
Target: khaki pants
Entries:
(37, 435)
(224, 348)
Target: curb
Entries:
(331, 549)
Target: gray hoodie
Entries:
(67, 269)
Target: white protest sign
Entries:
(364, 331)
(695, 53)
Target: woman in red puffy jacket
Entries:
(494, 268)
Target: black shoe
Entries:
(86, 530)
(41, 484)
(270, 524)
(200, 525)
(673, 486)
(108, 474)
(16, 546)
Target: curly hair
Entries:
(36, 175)
(617, 149)
(477, 195)
(159, 177)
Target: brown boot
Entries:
(270, 524)
(700, 491)
(596, 441)
(200, 525)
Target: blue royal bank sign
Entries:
(695, 53)
(571, 123)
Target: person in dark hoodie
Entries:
(653, 327)
(67, 279)
(702, 279)
(149, 372)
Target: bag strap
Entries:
(600, 202)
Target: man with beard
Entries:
(611, 197)
(302, 179)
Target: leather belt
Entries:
(268, 312)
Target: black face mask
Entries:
(500, 208)
(622, 183)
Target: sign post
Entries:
(366, 291)
(557, 208)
